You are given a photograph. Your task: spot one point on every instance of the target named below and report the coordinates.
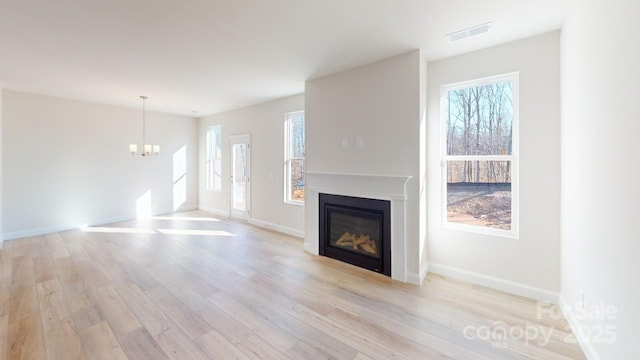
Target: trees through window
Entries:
(480, 154)
(294, 157)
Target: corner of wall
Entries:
(422, 231)
(47, 203)
(572, 319)
(418, 279)
(212, 210)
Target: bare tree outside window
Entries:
(294, 157)
(479, 160)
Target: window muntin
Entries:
(294, 162)
(214, 158)
(480, 133)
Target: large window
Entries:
(214, 156)
(480, 155)
(294, 157)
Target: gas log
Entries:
(358, 242)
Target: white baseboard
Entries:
(183, 208)
(583, 341)
(424, 269)
(214, 211)
(52, 229)
(496, 283)
(276, 227)
(412, 278)
(306, 248)
(257, 222)
(417, 279)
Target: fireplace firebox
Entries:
(356, 230)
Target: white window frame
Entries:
(513, 158)
(288, 158)
(213, 159)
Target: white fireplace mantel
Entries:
(391, 188)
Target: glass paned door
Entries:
(240, 179)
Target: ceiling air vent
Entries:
(472, 31)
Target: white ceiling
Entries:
(215, 55)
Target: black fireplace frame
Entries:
(364, 207)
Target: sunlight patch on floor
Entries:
(184, 218)
(195, 232)
(118, 230)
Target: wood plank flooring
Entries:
(191, 286)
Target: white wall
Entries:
(529, 265)
(600, 193)
(1, 181)
(265, 124)
(380, 103)
(66, 163)
(423, 195)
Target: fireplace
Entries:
(356, 230)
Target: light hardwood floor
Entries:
(190, 286)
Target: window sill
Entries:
(510, 234)
(293, 202)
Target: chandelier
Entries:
(147, 149)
